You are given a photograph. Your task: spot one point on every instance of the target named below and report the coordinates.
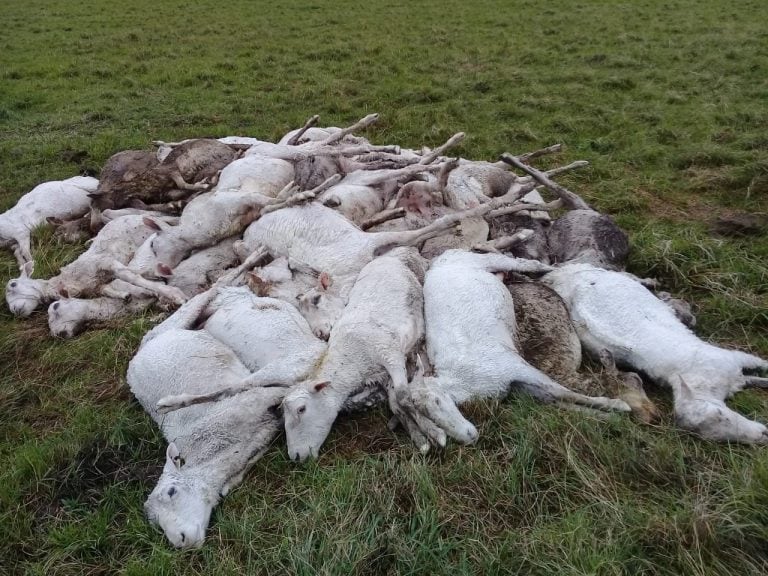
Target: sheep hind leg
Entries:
(182, 184)
(385, 241)
(546, 390)
(170, 293)
(756, 382)
(22, 252)
(271, 376)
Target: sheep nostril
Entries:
(183, 537)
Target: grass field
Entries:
(666, 99)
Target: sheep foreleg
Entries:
(573, 201)
(454, 140)
(178, 179)
(756, 382)
(168, 292)
(294, 199)
(267, 377)
(294, 140)
(359, 125)
(548, 207)
(381, 217)
(504, 242)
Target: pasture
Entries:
(667, 101)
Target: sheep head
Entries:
(180, 504)
(66, 317)
(23, 294)
(309, 411)
(321, 307)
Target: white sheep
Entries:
(470, 324)
(105, 259)
(61, 199)
(380, 325)
(212, 445)
(319, 238)
(614, 313)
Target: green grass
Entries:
(666, 99)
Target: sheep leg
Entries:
(541, 152)
(502, 263)
(359, 125)
(287, 191)
(422, 431)
(178, 179)
(168, 292)
(268, 377)
(307, 125)
(383, 176)
(504, 242)
(546, 390)
(452, 141)
(302, 196)
(756, 382)
(571, 200)
(354, 150)
(110, 291)
(381, 217)
(22, 251)
(385, 241)
(192, 310)
(505, 210)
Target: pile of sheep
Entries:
(324, 274)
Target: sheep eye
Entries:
(301, 410)
(316, 300)
(55, 305)
(13, 284)
(172, 491)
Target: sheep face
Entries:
(431, 400)
(23, 295)
(66, 317)
(179, 504)
(309, 413)
(321, 310)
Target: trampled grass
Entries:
(667, 100)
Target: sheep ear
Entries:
(64, 292)
(27, 269)
(164, 270)
(257, 285)
(324, 280)
(173, 456)
(319, 386)
(149, 223)
(685, 392)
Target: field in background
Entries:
(666, 99)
